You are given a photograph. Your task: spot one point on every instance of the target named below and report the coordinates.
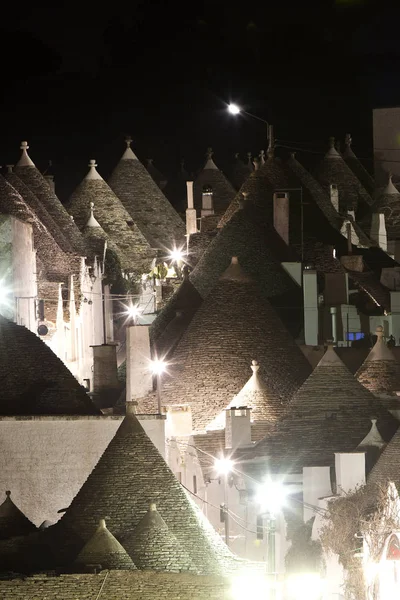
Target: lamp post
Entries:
(234, 109)
(133, 312)
(271, 498)
(158, 367)
(224, 466)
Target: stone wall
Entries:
(118, 585)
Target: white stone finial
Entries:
(92, 222)
(93, 174)
(9, 168)
(72, 218)
(152, 507)
(25, 160)
(380, 351)
(332, 152)
(210, 164)
(390, 187)
(330, 357)
(262, 157)
(128, 154)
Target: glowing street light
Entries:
(234, 109)
(176, 255)
(223, 465)
(133, 312)
(158, 367)
(271, 496)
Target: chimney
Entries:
(378, 230)
(281, 215)
(316, 485)
(105, 376)
(179, 420)
(238, 427)
(139, 380)
(154, 426)
(310, 295)
(334, 323)
(50, 182)
(207, 202)
(350, 471)
(334, 194)
(191, 220)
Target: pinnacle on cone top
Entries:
(25, 160)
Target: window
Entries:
(351, 336)
(194, 484)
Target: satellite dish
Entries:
(43, 329)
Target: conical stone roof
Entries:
(130, 473)
(234, 324)
(388, 203)
(31, 176)
(239, 172)
(210, 177)
(357, 167)
(152, 546)
(103, 549)
(260, 186)
(331, 412)
(380, 372)
(156, 175)
(386, 469)
(333, 169)
(135, 251)
(54, 260)
(13, 522)
(266, 409)
(38, 208)
(34, 381)
(96, 239)
(146, 204)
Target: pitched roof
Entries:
(331, 412)
(54, 260)
(152, 545)
(207, 373)
(175, 316)
(135, 251)
(357, 167)
(240, 171)
(157, 177)
(31, 176)
(34, 381)
(388, 203)
(129, 474)
(333, 169)
(260, 186)
(103, 549)
(146, 204)
(38, 208)
(13, 522)
(380, 372)
(266, 408)
(211, 177)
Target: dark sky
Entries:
(77, 77)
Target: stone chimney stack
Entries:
(238, 427)
(334, 194)
(105, 375)
(378, 230)
(310, 294)
(281, 215)
(139, 380)
(207, 202)
(191, 220)
(350, 471)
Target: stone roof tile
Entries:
(380, 372)
(211, 177)
(135, 251)
(331, 412)
(207, 373)
(34, 381)
(130, 473)
(146, 204)
(357, 167)
(35, 181)
(103, 549)
(152, 545)
(13, 522)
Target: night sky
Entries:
(78, 77)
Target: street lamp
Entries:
(158, 367)
(224, 466)
(133, 312)
(271, 497)
(235, 109)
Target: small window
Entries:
(194, 484)
(179, 476)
